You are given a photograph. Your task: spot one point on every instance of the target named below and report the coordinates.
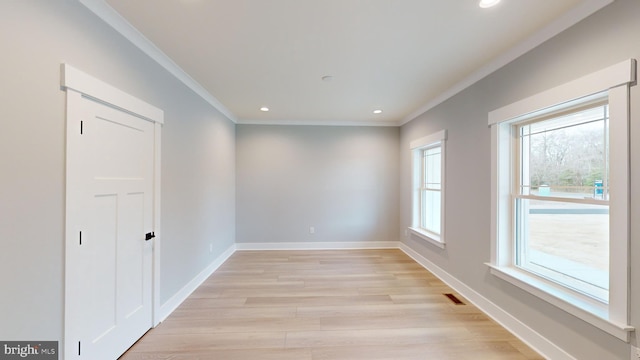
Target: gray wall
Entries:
(198, 149)
(606, 38)
(341, 180)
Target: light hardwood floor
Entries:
(333, 305)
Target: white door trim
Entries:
(78, 84)
(89, 86)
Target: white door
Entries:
(111, 264)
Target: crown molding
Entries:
(317, 122)
(105, 12)
(561, 24)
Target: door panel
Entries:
(131, 252)
(100, 253)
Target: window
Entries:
(560, 196)
(562, 199)
(428, 189)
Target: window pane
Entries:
(566, 242)
(432, 167)
(430, 197)
(431, 211)
(566, 156)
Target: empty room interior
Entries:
(320, 179)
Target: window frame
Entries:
(520, 219)
(613, 83)
(418, 147)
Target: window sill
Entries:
(582, 307)
(429, 237)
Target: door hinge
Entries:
(79, 348)
(81, 127)
(149, 236)
(80, 237)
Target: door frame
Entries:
(77, 85)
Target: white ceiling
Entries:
(401, 56)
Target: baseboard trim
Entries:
(172, 304)
(539, 343)
(319, 245)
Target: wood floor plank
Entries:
(187, 342)
(464, 350)
(317, 300)
(225, 354)
(267, 292)
(365, 337)
(326, 305)
(393, 321)
(208, 303)
(233, 313)
(238, 325)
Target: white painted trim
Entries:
(318, 122)
(178, 298)
(157, 226)
(73, 195)
(578, 306)
(501, 206)
(529, 336)
(571, 18)
(118, 23)
(319, 245)
(72, 78)
(593, 83)
(428, 140)
(431, 239)
(620, 207)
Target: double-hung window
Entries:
(560, 196)
(428, 187)
(561, 200)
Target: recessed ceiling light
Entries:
(488, 3)
(264, 108)
(377, 111)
